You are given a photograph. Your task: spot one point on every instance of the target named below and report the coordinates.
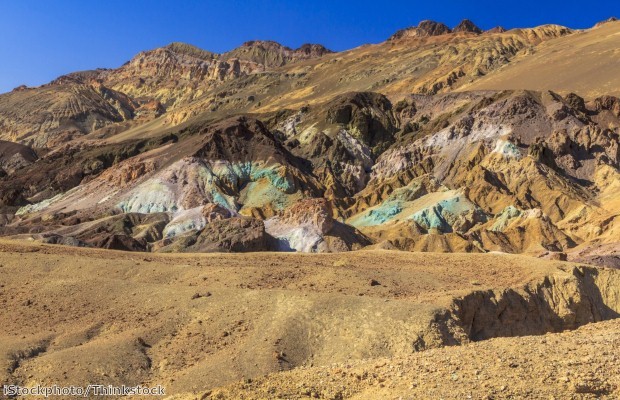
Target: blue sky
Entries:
(40, 40)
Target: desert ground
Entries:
(365, 324)
(581, 364)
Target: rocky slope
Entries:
(59, 112)
(145, 87)
(269, 148)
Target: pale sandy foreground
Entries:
(581, 364)
(366, 324)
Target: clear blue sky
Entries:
(40, 40)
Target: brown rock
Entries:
(559, 256)
(467, 26)
(215, 212)
(237, 234)
(425, 28)
(318, 212)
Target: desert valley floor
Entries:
(365, 324)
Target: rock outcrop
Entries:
(308, 226)
(237, 234)
(466, 26)
(425, 28)
(271, 54)
(14, 156)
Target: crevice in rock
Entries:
(26, 354)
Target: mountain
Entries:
(467, 26)
(438, 139)
(424, 29)
(149, 84)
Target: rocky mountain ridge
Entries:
(431, 28)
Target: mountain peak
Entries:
(497, 29)
(306, 48)
(313, 50)
(190, 50)
(432, 28)
(274, 54)
(425, 28)
(467, 26)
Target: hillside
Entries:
(587, 61)
(268, 148)
(500, 368)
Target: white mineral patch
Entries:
(42, 205)
(391, 162)
(185, 221)
(356, 148)
(289, 126)
(445, 137)
(186, 184)
(307, 134)
(303, 238)
(30, 208)
(108, 197)
(443, 143)
(150, 197)
(357, 172)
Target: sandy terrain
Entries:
(582, 364)
(196, 322)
